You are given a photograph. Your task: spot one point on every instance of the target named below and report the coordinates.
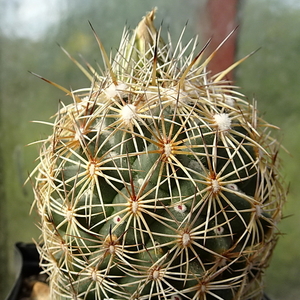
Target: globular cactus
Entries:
(159, 181)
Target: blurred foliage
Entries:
(271, 76)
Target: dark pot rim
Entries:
(26, 264)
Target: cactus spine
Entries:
(158, 182)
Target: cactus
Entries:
(159, 181)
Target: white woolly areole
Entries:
(232, 186)
(180, 207)
(177, 97)
(78, 106)
(128, 113)
(117, 220)
(140, 181)
(258, 210)
(134, 207)
(69, 214)
(230, 101)
(78, 135)
(94, 275)
(219, 230)
(223, 121)
(114, 90)
(168, 149)
(215, 186)
(112, 249)
(186, 238)
(155, 274)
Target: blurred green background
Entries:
(29, 33)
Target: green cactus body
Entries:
(158, 182)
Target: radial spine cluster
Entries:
(158, 181)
